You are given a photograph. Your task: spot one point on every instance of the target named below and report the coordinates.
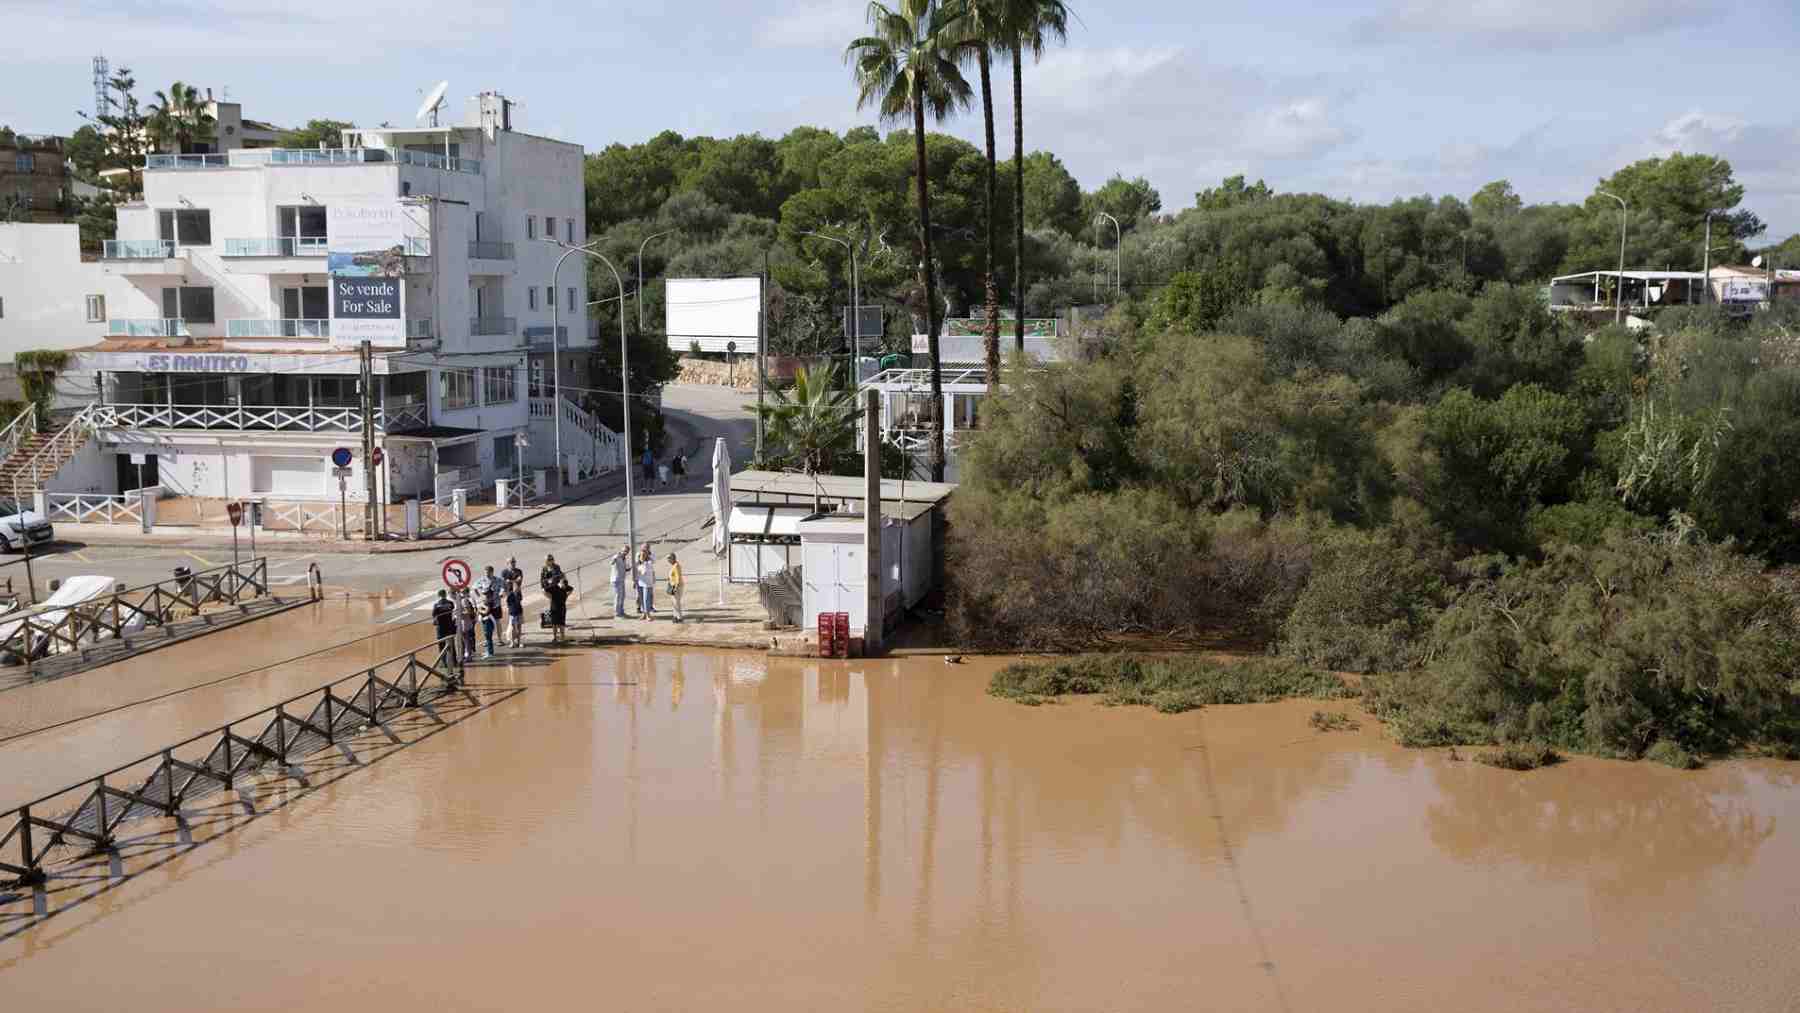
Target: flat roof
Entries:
(1636, 275)
(753, 483)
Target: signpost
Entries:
(520, 442)
(234, 510)
(457, 574)
(340, 459)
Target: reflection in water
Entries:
(882, 835)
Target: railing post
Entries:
(229, 765)
(168, 757)
(105, 832)
(27, 859)
(330, 725)
(281, 733)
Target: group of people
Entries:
(672, 471)
(469, 618)
(640, 570)
(497, 599)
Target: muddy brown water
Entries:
(651, 829)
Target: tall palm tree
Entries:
(814, 421)
(985, 30)
(908, 66)
(1033, 23)
(178, 119)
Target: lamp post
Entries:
(624, 380)
(855, 304)
(640, 288)
(1118, 255)
(1706, 259)
(1619, 295)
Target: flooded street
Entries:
(664, 830)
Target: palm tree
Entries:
(1032, 24)
(814, 421)
(984, 30)
(908, 66)
(179, 120)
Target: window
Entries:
(185, 228)
(497, 385)
(96, 309)
(25, 162)
(503, 453)
(530, 226)
(550, 227)
(456, 388)
(550, 296)
(189, 304)
(573, 305)
(531, 297)
(303, 226)
(571, 227)
(405, 188)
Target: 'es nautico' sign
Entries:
(197, 363)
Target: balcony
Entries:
(419, 329)
(275, 246)
(146, 327)
(138, 257)
(483, 326)
(275, 157)
(288, 327)
(483, 249)
(391, 418)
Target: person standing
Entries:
(677, 584)
(515, 609)
(550, 572)
(680, 467)
(465, 625)
(646, 577)
(512, 574)
(489, 608)
(621, 566)
(443, 616)
(558, 593)
(649, 464)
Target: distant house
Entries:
(33, 183)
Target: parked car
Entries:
(17, 525)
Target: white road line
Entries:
(422, 596)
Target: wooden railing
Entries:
(46, 629)
(272, 418)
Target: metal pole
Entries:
(874, 596)
(25, 541)
(640, 287)
(855, 308)
(1706, 261)
(762, 345)
(1118, 255)
(624, 383)
(367, 382)
(1619, 295)
(556, 367)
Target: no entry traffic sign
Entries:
(457, 574)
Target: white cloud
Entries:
(814, 24)
(1531, 22)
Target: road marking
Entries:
(78, 554)
(197, 559)
(422, 596)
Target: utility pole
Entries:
(872, 625)
(368, 438)
(1706, 260)
(1619, 292)
(762, 345)
(640, 288)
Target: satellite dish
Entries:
(433, 102)
(1756, 261)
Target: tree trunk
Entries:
(1018, 280)
(990, 331)
(925, 279)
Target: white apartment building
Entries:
(230, 312)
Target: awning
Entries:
(763, 521)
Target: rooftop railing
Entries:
(251, 157)
(137, 249)
(276, 246)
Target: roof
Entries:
(754, 484)
(1635, 275)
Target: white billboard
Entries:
(713, 312)
(1743, 290)
(367, 243)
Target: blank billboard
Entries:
(713, 312)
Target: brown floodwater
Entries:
(645, 829)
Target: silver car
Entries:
(19, 527)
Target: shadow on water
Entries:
(91, 877)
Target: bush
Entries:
(1585, 523)
(1671, 755)
(1170, 684)
(1367, 604)
(1519, 756)
(1333, 721)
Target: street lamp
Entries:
(855, 305)
(624, 379)
(1706, 260)
(1619, 295)
(1118, 255)
(640, 288)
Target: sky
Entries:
(1370, 101)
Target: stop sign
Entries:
(235, 511)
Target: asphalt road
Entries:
(576, 533)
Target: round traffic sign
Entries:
(457, 574)
(375, 457)
(341, 457)
(235, 511)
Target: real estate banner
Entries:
(367, 243)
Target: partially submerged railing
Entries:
(89, 814)
(52, 629)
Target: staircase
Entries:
(595, 448)
(34, 458)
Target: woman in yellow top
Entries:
(677, 584)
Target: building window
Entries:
(571, 226)
(96, 309)
(539, 386)
(531, 297)
(406, 188)
(2, 308)
(573, 305)
(189, 304)
(530, 226)
(497, 385)
(550, 296)
(25, 162)
(503, 453)
(185, 228)
(550, 227)
(456, 388)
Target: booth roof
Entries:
(752, 483)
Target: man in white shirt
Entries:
(621, 566)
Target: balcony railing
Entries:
(493, 325)
(251, 157)
(262, 418)
(276, 246)
(147, 327)
(288, 327)
(137, 249)
(483, 249)
(418, 327)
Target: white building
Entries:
(42, 308)
(225, 351)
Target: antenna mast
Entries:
(102, 92)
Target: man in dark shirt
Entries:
(512, 573)
(550, 571)
(443, 614)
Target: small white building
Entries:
(219, 334)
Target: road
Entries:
(576, 533)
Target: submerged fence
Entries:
(89, 813)
(52, 629)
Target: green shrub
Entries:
(1333, 721)
(1170, 684)
(1519, 756)
(1368, 602)
(1584, 523)
(1671, 755)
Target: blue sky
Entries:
(1385, 99)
